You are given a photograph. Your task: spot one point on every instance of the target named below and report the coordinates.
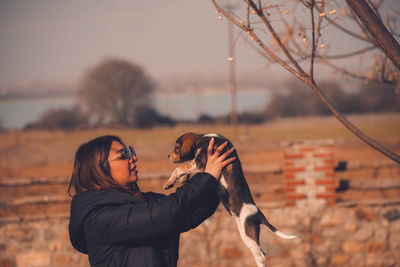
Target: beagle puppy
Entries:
(191, 150)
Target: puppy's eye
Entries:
(177, 149)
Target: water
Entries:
(19, 112)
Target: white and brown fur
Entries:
(191, 149)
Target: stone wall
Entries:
(327, 236)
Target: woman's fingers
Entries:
(210, 147)
(228, 161)
(227, 153)
(221, 147)
(216, 161)
(217, 152)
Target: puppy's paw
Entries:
(169, 184)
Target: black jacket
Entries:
(118, 229)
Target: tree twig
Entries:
(299, 73)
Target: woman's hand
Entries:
(215, 161)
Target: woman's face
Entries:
(122, 169)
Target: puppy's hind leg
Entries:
(249, 229)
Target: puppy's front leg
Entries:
(182, 173)
(178, 172)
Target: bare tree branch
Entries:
(298, 71)
(377, 29)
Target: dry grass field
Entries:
(50, 153)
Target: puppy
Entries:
(235, 195)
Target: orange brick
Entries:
(295, 196)
(289, 163)
(326, 196)
(329, 174)
(297, 169)
(289, 175)
(323, 155)
(330, 189)
(376, 246)
(290, 203)
(307, 148)
(294, 156)
(325, 182)
(296, 182)
(323, 168)
(331, 202)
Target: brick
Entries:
(339, 259)
(297, 169)
(353, 247)
(326, 196)
(290, 203)
(7, 262)
(324, 182)
(329, 174)
(330, 189)
(301, 182)
(316, 239)
(290, 190)
(55, 246)
(297, 254)
(364, 234)
(321, 261)
(364, 214)
(294, 156)
(295, 196)
(32, 258)
(307, 148)
(323, 168)
(323, 155)
(289, 175)
(329, 220)
(22, 234)
(331, 202)
(289, 163)
(351, 227)
(62, 259)
(378, 246)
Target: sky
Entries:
(58, 40)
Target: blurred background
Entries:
(150, 71)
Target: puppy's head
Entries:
(184, 149)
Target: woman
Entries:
(116, 224)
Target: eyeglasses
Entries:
(125, 154)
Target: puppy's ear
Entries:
(187, 148)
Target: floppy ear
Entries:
(187, 149)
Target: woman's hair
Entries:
(91, 170)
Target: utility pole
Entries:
(232, 79)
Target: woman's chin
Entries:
(134, 177)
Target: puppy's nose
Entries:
(168, 155)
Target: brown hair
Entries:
(91, 171)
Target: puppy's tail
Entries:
(264, 220)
